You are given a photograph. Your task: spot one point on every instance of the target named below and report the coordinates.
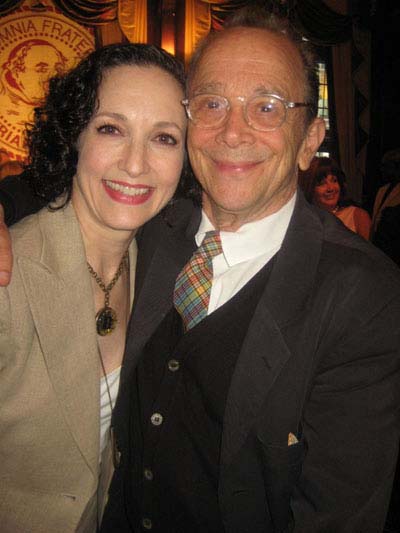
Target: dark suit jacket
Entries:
(320, 361)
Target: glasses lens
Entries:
(208, 110)
(265, 112)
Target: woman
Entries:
(324, 184)
(106, 153)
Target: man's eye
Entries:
(108, 129)
(166, 138)
(266, 107)
(212, 104)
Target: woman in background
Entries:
(106, 153)
(324, 184)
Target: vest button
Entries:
(148, 474)
(147, 523)
(173, 365)
(156, 419)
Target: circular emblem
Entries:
(33, 47)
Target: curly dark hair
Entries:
(69, 105)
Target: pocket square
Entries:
(292, 439)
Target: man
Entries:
(278, 411)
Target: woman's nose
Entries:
(134, 159)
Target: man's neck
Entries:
(224, 220)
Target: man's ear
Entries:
(314, 136)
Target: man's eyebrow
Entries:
(269, 89)
(210, 87)
(218, 88)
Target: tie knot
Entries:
(211, 245)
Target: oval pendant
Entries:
(106, 320)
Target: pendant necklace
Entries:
(106, 317)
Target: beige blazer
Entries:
(49, 381)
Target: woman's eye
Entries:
(108, 129)
(166, 138)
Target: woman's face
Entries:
(327, 192)
(131, 152)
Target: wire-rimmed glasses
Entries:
(263, 112)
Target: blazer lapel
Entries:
(60, 298)
(265, 352)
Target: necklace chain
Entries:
(107, 288)
(106, 317)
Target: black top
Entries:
(18, 199)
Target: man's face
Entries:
(327, 192)
(40, 63)
(248, 174)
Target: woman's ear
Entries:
(314, 136)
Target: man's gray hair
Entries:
(259, 17)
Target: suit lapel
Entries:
(157, 269)
(61, 302)
(265, 352)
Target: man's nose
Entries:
(235, 130)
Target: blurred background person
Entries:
(324, 184)
(386, 213)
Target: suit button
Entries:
(147, 523)
(148, 474)
(173, 365)
(156, 419)
(116, 454)
(116, 458)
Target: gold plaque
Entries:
(33, 47)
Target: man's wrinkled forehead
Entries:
(270, 60)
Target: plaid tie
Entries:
(193, 284)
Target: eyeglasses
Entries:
(265, 112)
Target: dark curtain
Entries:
(89, 12)
(9, 5)
(220, 11)
(318, 23)
(313, 18)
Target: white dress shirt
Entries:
(245, 252)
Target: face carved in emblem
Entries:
(27, 69)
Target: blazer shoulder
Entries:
(358, 266)
(343, 255)
(26, 237)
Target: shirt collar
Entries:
(254, 238)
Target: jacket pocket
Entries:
(281, 467)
